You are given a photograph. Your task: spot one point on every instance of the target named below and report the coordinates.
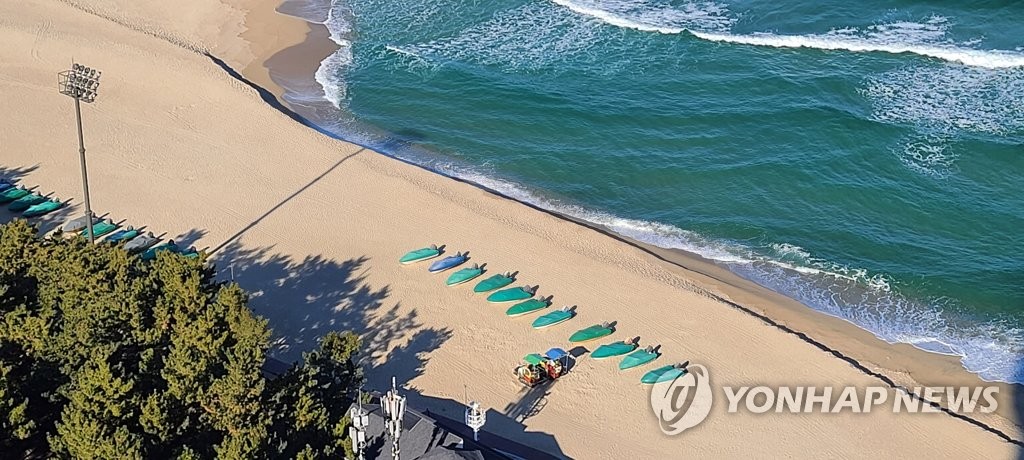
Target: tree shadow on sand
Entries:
(16, 174)
(303, 299)
(188, 238)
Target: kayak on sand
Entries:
(556, 317)
(512, 294)
(665, 373)
(593, 332)
(465, 275)
(419, 255)
(638, 358)
(527, 307)
(448, 262)
(43, 208)
(610, 350)
(495, 282)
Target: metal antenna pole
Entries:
(393, 406)
(357, 432)
(85, 173)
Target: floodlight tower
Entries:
(475, 419)
(357, 432)
(393, 406)
(81, 83)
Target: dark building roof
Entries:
(444, 453)
(422, 438)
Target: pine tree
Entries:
(103, 355)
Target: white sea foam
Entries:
(653, 17)
(950, 99)
(526, 37)
(944, 104)
(328, 75)
(925, 39)
(929, 155)
(991, 349)
(993, 59)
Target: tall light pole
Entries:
(81, 83)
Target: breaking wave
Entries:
(710, 21)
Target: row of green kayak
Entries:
(28, 203)
(526, 304)
(633, 357)
(32, 204)
(133, 239)
(496, 286)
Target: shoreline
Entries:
(316, 245)
(906, 365)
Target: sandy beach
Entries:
(187, 138)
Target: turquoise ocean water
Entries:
(865, 158)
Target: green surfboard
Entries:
(610, 350)
(662, 374)
(26, 202)
(638, 358)
(494, 282)
(590, 333)
(523, 308)
(464, 276)
(100, 228)
(553, 318)
(512, 294)
(42, 208)
(419, 255)
(12, 194)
